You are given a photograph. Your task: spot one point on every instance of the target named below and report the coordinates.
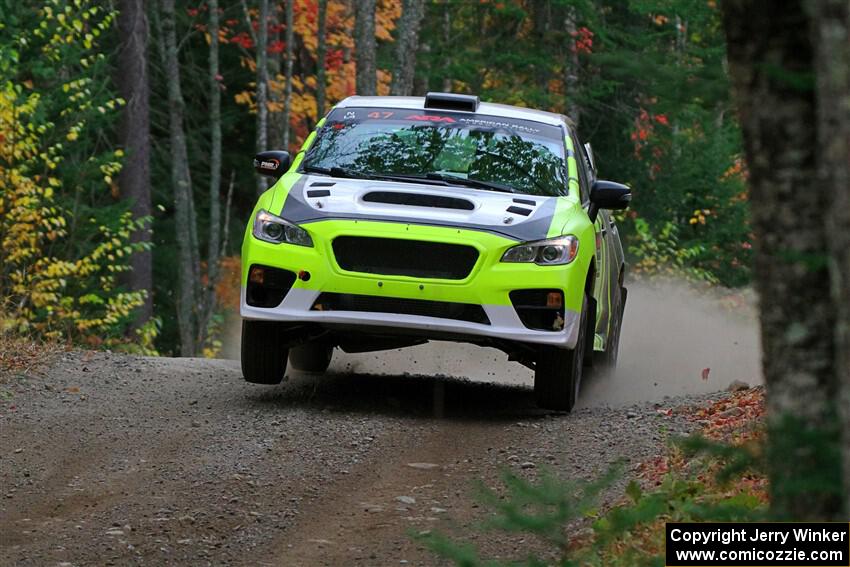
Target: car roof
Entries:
(485, 108)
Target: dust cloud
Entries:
(671, 334)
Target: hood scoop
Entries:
(418, 200)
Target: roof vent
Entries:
(452, 101)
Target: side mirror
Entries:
(608, 195)
(273, 163)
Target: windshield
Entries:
(476, 150)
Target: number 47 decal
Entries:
(385, 114)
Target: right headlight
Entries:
(549, 252)
(272, 228)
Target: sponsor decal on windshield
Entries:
(348, 116)
(495, 124)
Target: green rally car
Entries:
(406, 219)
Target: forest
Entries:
(129, 128)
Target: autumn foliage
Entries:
(339, 63)
(48, 289)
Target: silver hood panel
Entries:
(314, 198)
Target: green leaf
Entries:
(634, 491)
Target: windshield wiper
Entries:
(477, 183)
(337, 172)
(445, 179)
(355, 174)
(409, 177)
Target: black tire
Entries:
(263, 357)
(311, 357)
(608, 358)
(557, 373)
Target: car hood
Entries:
(520, 217)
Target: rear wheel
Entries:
(557, 374)
(263, 357)
(311, 357)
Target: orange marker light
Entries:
(554, 300)
(257, 275)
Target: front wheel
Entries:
(263, 357)
(557, 373)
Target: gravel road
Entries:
(108, 459)
(117, 460)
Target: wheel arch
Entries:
(591, 276)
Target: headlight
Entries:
(551, 252)
(271, 228)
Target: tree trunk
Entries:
(321, 53)
(287, 97)
(541, 17)
(407, 45)
(771, 60)
(131, 77)
(833, 85)
(215, 162)
(262, 86)
(182, 185)
(572, 68)
(364, 47)
(447, 49)
(227, 203)
(276, 119)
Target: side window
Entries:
(585, 163)
(584, 178)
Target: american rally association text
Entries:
(727, 536)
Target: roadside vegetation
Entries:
(717, 474)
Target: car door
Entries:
(613, 258)
(602, 283)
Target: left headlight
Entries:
(550, 252)
(272, 228)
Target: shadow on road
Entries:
(402, 395)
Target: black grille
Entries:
(274, 286)
(530, 306)
(397, 257)
(421, 307)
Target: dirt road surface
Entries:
(107, 459)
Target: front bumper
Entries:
(488, 285)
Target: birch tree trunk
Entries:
(321, 55)
(407, 45)
(181, 185)
(364, 47)
(771, 61)
(287, 97)
(833, 85)
(215, 161)
(262, 86)
(135, 179)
